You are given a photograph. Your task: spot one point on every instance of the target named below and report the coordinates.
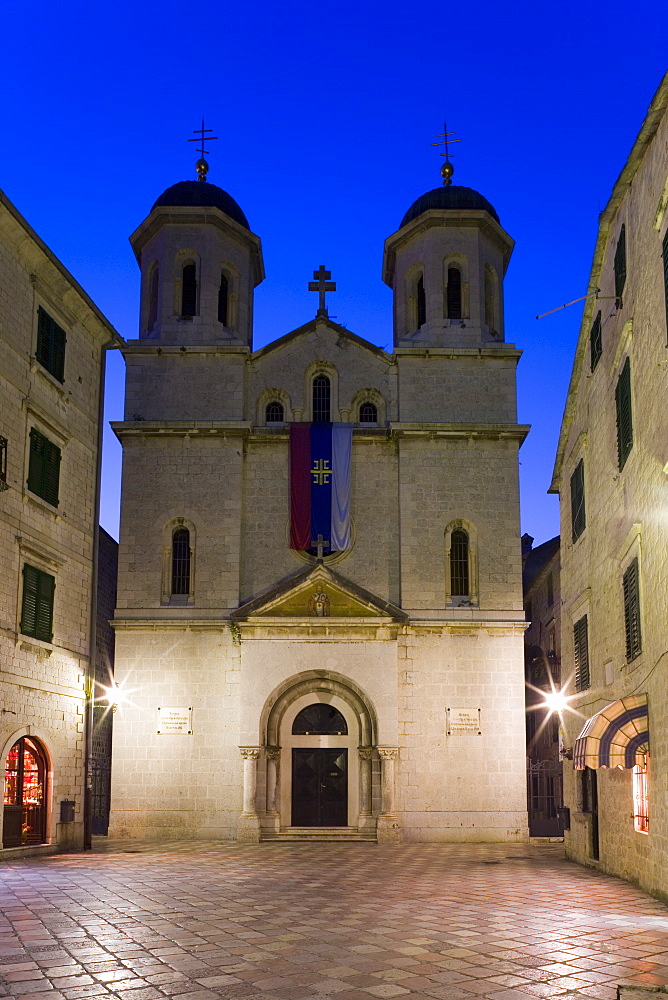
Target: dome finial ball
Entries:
(202, 168)
(447, 170)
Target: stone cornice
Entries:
(180, 428)
(504, 350)
(149, 347)
(324, 629)
(495, 432)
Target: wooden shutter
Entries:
(578, 513)
(620, 265)
(624, 414)
(632, 611)
(37, 607)
(36, 463)
(51, 473)
(44, 467)
(581, 647)
(51, 340)
(29, 606)
(595, 341)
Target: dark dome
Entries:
(449, 197)
(202, 195)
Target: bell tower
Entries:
(445, 265)
(200, 264)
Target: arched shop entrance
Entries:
(25, 796)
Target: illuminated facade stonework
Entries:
(611, 475)
(218, 615)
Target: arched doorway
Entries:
(25, 797)
(320, 773)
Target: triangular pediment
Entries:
(318, 593)
(326, 328)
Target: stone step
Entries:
(345, 834)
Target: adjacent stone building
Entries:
(374, 690)
(611, 475)
(53, 341)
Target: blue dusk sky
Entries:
(325, 115)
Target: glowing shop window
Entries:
(640, 800)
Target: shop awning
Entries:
(617, 736)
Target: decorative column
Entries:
(388, 827)
(248, 828)
(366, 754)
(273, 755)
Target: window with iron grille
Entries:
(3, 463)
(368, 413)
(181, 561)
(37, 605)
(189, 291)
(44, 468)
(596, 341)
(581, 646)
(223, 296)
(51, 340)
(640, 800)
(665, 273)
(631, 588)
(321, 399)
(454, 293)
(578, 511)
(274, 413)
(624, 415)
(459, 564)
(620, 265)
(421, 302)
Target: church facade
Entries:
(365, 688)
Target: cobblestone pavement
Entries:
(292, 921)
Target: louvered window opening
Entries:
(181, 561)
(3, 460)
(37, 605)
(421, 302)
(189, 291)
(640, 800)
(44, 468)
(578, 510)
(665, 274)
(51, 340)
(581, 648)
(490, 304)
(153, 299)
(223, 300)
(274, 413)
(620, 265)
(321, 399)
(459, 564)
(632, 611)
(596, 341)
(454, 293)
(624, 415)
(368, 413)
(320, 720)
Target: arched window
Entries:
(24, 820)
(420, 302)
(320, 720)
(490, 299)
(368, 413)
(181, 561)
(459, 564)
(321, 399)
(189, 291)
(274, 413)
(223, 295)
(153, 298)
(454, 293)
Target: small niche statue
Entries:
(318, 604)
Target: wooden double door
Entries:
(319, 786)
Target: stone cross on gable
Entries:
(322, 285)
(319, 544)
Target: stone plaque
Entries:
(463, 720)
(175, 721)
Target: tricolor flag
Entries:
(320, 485)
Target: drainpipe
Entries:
(115, 342)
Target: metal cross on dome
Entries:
(322, 285)
(202, 165)
(447, 170)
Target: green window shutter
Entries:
(624, 414)
(632, 611)
(665, 273)
(595, 341)
(578, 511)
(37, 607)
(44, 467)
(620, 265)
(51, 340)
(581, 647)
